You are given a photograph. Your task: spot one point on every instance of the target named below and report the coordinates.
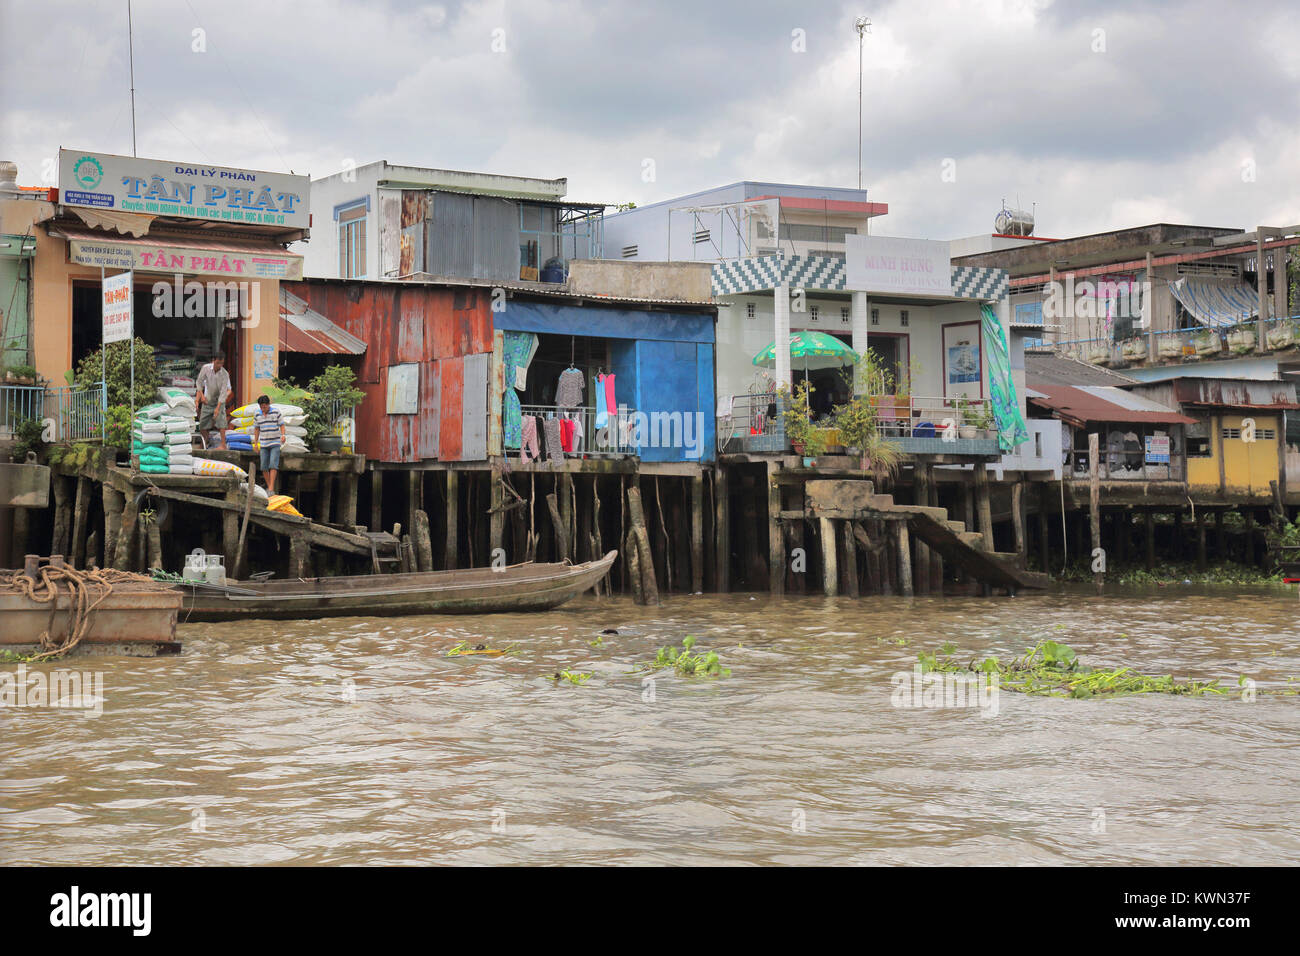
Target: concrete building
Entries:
(205, 247)
(382, 221)
(740, 220)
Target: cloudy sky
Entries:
(1102, 114)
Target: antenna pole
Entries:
(130, 44)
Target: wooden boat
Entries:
(520, 587)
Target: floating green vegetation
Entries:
(573, 677)
(465, 649)
(1174, 573)
(685, 663)
(1050, 669)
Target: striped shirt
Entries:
(268, 427)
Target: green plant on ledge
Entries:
(21, 374)
(806, 438)
(28, 436)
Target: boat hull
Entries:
(522, 587)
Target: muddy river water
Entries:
(359, 741)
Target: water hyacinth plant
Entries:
(682, 661)
(1049, 669)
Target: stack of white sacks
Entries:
(295, 432)
(168, 426)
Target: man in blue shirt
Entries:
(269, 425)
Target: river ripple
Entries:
(359, 741)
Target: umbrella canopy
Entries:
(810, 350)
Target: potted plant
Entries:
(966, 427)
(1206, 342)
(856, 420)
(331, 389)
(1097, 353)
(1134, 349)
(804, 438)
(29, 436)
(1241, 340)
(880, 457)
(1170, 347)
(21, 375)
(1282, 335)
(983, 420)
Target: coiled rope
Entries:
(86, 591)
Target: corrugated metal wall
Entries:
(472, 236)
(436, 328)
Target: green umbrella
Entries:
(810, 350)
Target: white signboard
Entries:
(1157, 449)
(158, 188)
(897, 266)
(117, 308)
(404, 389)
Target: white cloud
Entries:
(1015, 93)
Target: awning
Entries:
(303, 329)
(1080, 405)
(168, 254)
(1214, 304)
(110, 220)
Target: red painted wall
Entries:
(435, 327)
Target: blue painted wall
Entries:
(662, 363)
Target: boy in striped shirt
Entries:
(269, 425)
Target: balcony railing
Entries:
(756, 425)
(77, 413)
(1185, 345)
(17, 404)
(615, 439)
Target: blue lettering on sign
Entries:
(76, 197)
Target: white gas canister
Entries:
(216, 570)
(196, 566)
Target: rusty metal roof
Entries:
(303, 329)
(1235, 393)
(1079, 405)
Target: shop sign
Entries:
(184, 260)
(117, 308)
(160, 188)
(897, 266)
(1157, 449)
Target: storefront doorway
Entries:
(182, 343)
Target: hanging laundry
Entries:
(610, 402)
(602, 407)
(567, 427)
(551, 430)
(528, 450)
(517, 349)
(568, 392)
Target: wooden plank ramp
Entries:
(855, 499)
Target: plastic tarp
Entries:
(1216, 305)
(1012, 430)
